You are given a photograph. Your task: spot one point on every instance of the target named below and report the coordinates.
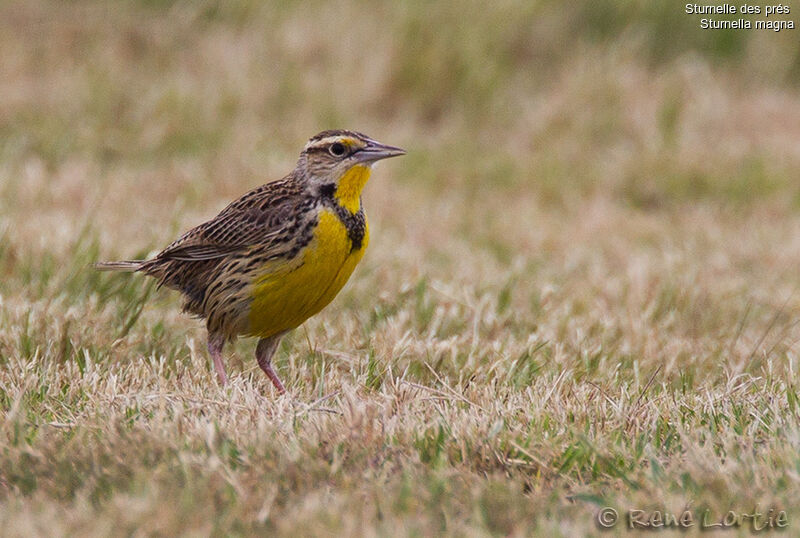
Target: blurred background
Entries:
(537, 104)
(600, 199)
(614, 152)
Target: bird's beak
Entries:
(375, 151)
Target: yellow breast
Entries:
(283, 298)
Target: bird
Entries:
(278, 254)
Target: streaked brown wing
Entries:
(257, 218)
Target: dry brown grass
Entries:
(581, 287)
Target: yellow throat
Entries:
(348, 193)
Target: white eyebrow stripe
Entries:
(329, 140)
(322, 142)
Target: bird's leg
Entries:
(264, 351)
(215, 345)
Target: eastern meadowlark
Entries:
(277, 255)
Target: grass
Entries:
(581, 289)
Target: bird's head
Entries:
(339, 162)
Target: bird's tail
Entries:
(127, 265)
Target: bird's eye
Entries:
(337, 149)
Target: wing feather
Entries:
(255, 219)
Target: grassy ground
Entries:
(581, 289)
